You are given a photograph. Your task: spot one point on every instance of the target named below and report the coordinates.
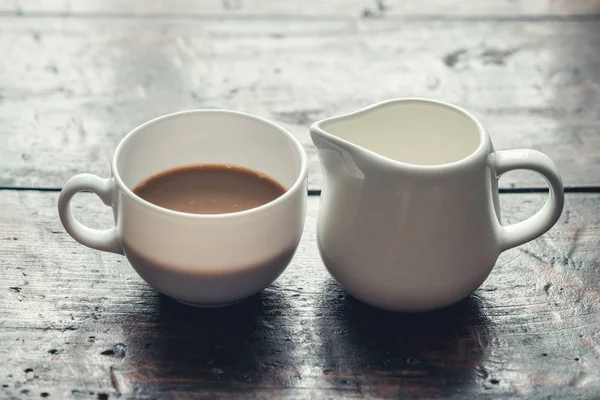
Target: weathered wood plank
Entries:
(293, 9)
(77, 323)
(73, 88)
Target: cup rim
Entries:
(479, 152)
(298, 184)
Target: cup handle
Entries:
(100, 239)
(522, 232)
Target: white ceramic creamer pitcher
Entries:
(409, 217)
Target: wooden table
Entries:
(76, 76)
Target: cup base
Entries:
(208, 305)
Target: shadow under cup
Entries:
(218, 259)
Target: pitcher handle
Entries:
(522, 232)
(99, 239)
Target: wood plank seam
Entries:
(317, 192)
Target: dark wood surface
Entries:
(78, 323)
(76, 76)
(75, 86)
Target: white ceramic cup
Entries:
(202, 260)
(409, 218)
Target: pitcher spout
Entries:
(334, 139)
(337, 157)
(322, 139)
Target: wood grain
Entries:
(73, 88)
(77, 323)
(293, 9)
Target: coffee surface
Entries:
(209, 189)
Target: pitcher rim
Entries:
(482, 149)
